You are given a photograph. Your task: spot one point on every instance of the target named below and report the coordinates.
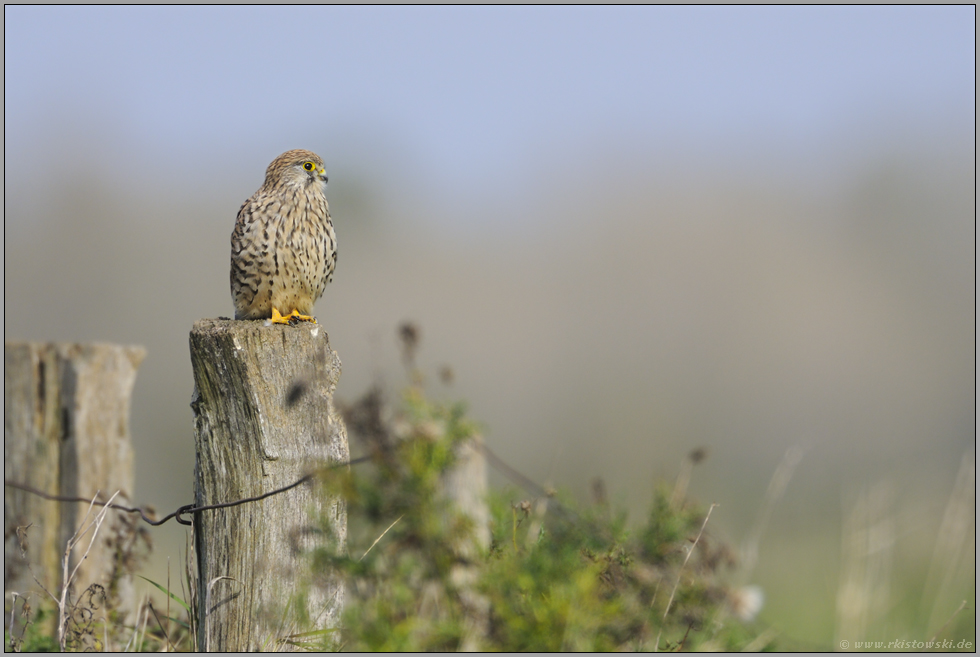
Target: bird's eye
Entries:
(308, 166)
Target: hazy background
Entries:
(630, 232)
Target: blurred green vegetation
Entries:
(559, 575)
(553, 577)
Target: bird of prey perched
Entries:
(283, 248)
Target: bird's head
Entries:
(296, 168)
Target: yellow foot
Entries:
(291, 318)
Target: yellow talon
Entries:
(291, 318)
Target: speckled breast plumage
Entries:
(283, 248)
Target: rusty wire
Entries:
(181, 511)
(494, 460)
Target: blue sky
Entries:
(472, 95)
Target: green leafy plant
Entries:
(553, 576)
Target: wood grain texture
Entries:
(264, 416)
(66, 432)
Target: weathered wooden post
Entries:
(466, 486)
(264, 416)
(66, 433)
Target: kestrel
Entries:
(283, 248)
